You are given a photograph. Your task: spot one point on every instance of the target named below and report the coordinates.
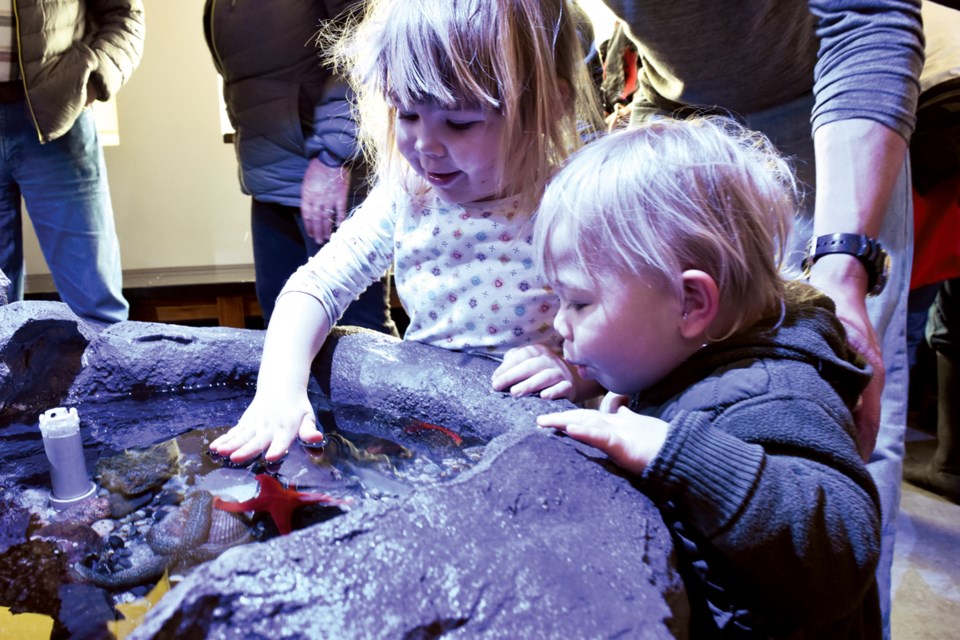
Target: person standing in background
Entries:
(295, 139)
(55, 60)
(834, 85)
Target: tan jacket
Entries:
(66, 46)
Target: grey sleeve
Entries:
(869, 62)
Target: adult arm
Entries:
(866, 86)
(117, 41)
(857, 163)
(332, 148)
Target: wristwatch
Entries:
(867, 250)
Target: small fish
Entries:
(415, 426)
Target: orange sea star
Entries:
(279, 501)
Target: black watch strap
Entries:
(867, 250)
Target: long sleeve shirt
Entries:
(465, 274)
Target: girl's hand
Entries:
(269, 424)
(631, 440)
(538, 368)
(527, 370)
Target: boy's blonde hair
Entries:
(520, 57)
(673, 195)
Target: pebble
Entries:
(104, 527)
(168, 498)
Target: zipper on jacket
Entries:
(216, 53)
(213, 37)
(23, 75)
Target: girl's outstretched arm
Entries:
(281, 409)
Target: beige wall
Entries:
(176, 198)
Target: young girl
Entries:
(481, 101)
(731, 391)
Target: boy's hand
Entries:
(631, 440)
(269, 424)
(612, 402)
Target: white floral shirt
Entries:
(465, 274)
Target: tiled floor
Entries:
(926, 568)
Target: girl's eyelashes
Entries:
(460, 126)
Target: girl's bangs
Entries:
(424, 65)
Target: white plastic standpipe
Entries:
(60, 429)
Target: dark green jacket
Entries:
(66, 45)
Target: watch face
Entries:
(883, 274)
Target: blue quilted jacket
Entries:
(284, 104)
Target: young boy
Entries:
(730, 390)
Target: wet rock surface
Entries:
(138, 471)
(538, 536)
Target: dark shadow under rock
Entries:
(403, 380)
(41, 345)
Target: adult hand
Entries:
(845, 281)
(323, 199)
(631, 440)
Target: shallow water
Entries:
(366, 457)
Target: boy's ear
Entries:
(701, 303)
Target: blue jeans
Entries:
(788, 126)
(281, 246)
(64, 186)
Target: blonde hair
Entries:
(520, 57)
(674, 195)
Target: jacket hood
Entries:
(806, 330)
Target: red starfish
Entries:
(279, 501)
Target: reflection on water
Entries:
(123, 540)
